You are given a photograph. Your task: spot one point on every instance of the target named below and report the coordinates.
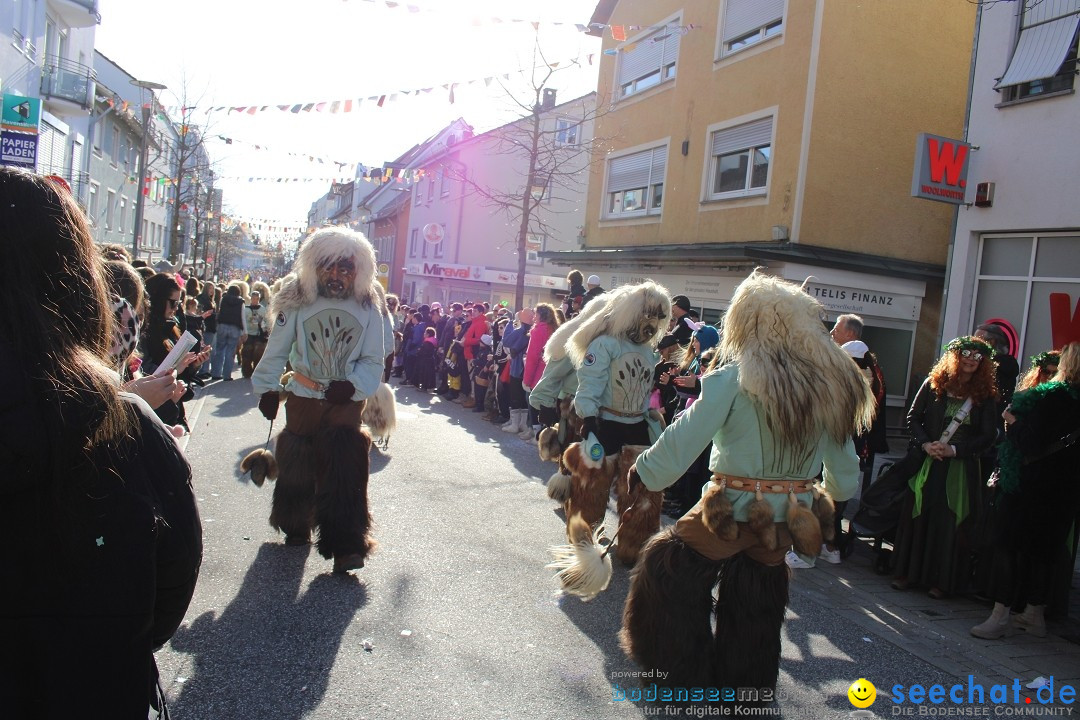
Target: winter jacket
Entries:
(97, 583)
(232, 311)
(516, 341)
(534, 354)
(477, 329)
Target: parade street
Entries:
(455, 615)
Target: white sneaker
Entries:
(830, 556)
(795, 562)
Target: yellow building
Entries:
(743, 133)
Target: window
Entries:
(96, 139)
(1044, 60)
(437, 250)
(418, 193)
(110, 138)
(635, 184)
(414, 242)
(109, 210)
(114, 151)
(566, 132)
(145, 238)
(444, 183)
(123, 209)
(92, 204)
(740, 159)
(534, 244)
(748, 22)
(648, 62)
(125, 153)
(430, 189)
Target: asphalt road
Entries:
(455, 615)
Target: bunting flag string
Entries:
(348, 105)
(479, 20)
(351, 104)
(311, 158)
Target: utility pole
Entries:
(144, 152)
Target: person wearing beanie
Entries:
(594, 290)
(681, 328)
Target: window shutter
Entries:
(743, 16)
(629, 171)
(659, 164)
(741, 137)
(1046, 36)
(643, 59)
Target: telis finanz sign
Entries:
(941, 169)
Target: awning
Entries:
(1040, 51)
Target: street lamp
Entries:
(147, 111)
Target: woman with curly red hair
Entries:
(952, 420)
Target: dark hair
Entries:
(158, 290)
(122, 280)
(192, 286)
(457, 306)
(545, 313)
(138, 263)
(144, 272)
(56, 317)
(574, 277)
(429, 332)
(999, 341)
(233, 290)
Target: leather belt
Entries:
(618, 413)
(743, 484)
(308, 382)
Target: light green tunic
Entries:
(558, 381)
(615, 374)
(744, 446)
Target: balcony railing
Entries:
(77, 13)
(68, 80)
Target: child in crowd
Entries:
(425, 361)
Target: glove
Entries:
(268, 404)
(633, 480)
(339, 392)
(548, 416)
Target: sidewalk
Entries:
(937, 630)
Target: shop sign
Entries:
(1064, 321)
(871, 303)
(18, 149)
(446, 270)
(941, 169)
(21, 113)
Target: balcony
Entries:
(69, 82)
(76, 13)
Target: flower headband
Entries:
(970, 343)
(1050, 357)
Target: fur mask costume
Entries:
(326, 246)
(637, 313)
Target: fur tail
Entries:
(262, 465)
(558, 487)
(583, 568)
(380, 412)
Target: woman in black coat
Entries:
(1038, 500)
(102, 536)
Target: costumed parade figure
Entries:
(614, 352)
(332, 327)
(553, 399)
(785, 400)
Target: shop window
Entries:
(1044, 59)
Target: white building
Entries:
(49, 55)
(1015, 258)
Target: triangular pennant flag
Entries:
(307, 108)
(252, 110)
(335, 106)
(295, 108)
(381, 101)
(283, 108)
(618, 33)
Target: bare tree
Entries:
(553, 168)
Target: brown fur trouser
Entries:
(666, 619)
(250, 355)
(590, 488)
(323, 474)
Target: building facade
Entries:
(464, 224)
(49, 55)
(780, 134)
(1016, 256)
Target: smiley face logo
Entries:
(862, 693)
